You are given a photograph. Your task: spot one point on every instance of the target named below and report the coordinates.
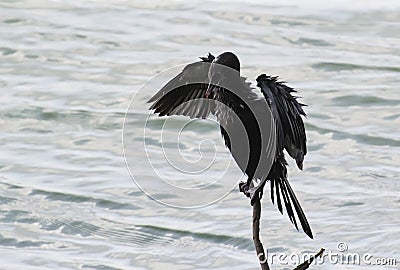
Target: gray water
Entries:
(69, 71)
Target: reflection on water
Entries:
(70, 69)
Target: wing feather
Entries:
(185, 93)
(290, 132)
(287, 112)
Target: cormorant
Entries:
(214, 86)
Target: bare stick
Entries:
(258, 245)
(262, 257)
(256, 234)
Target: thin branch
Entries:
(256, 234)
(307, 263)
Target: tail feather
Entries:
(300, 214)
(288, 205)
(278, 198)
(272, 191)
(283, 187)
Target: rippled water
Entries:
(69, 70)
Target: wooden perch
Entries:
(256, 234)
(258, 245)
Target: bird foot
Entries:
(244, 188)
(254, 193)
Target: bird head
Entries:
(223, 69)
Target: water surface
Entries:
(69, 70)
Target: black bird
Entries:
(214, 86)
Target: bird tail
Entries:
(281, 188)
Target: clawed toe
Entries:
(244, 188)
(254, 193)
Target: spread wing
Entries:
(287, 112)
(185, 93)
